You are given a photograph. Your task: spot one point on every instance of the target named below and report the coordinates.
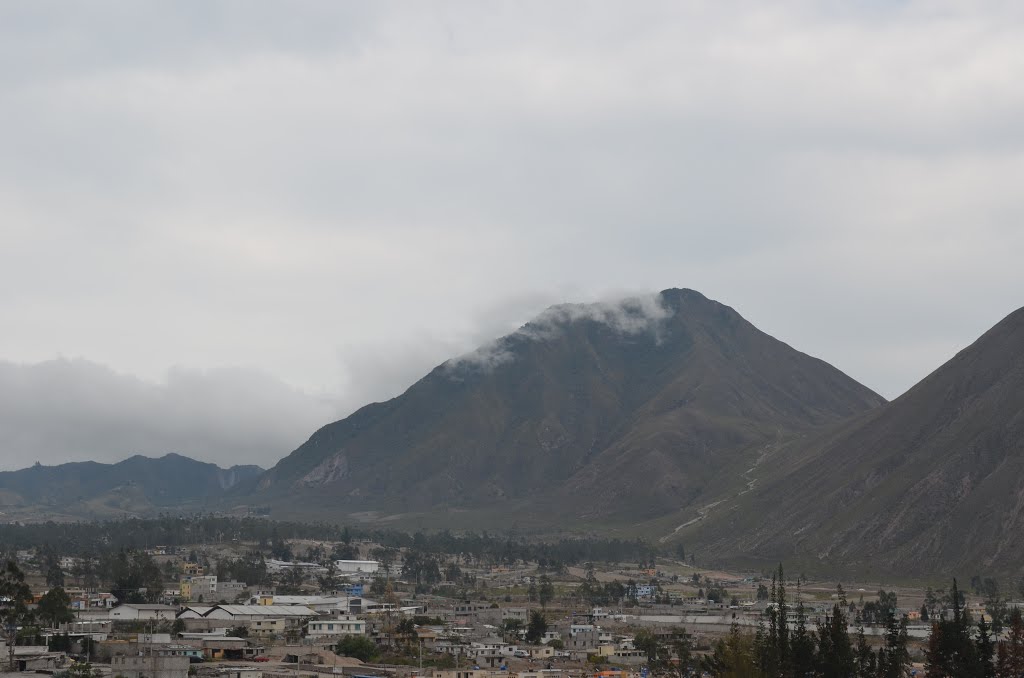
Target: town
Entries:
(301, 607)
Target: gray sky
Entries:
(275, 212)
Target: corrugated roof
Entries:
(266, 610)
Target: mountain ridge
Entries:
(135, 485)
(932, 481)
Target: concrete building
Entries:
(202, 587)
(150, 663)
(341, 625)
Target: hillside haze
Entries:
(628, 411)
(932, 482)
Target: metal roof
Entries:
(265, 610)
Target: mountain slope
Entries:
(930, 483)
(629, 410)
(136, 484)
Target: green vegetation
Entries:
(360, 647)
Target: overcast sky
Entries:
(223, 224)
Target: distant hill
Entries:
(135, 485)
(931, 483)
(588, 415)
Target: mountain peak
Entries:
(567, 406)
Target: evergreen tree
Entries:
(951, 651)
(984, 651)
(802, 642)
(893, 659)
(865, 664)
(835, 651)
(537, 627)
(1010, 662)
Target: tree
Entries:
(648, 643)
(951, 651)
(1010, 662)
(510, 628)
(835, 651)
(985, 651)
(893, 659)
(536, 628)
(733, 656)
(865, 664)
(802, 641)
(51, 567)
(546, 591)
(329, 580)
(360, 647)
(133, 575)
(406, 630)
(682, 648)
(14, 593)
(55, 607)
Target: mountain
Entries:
(931, 483)
(588, 414)
(136, 485)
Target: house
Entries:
(192, 569)
(32, 657)
(584, 640)
(266, 627)
(132, 612)
(520, 613)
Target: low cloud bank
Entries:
(73, 410)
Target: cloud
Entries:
(635, 314)
(73, 410)
(346, 195)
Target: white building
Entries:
(132, 612)
(342, 625)
(356, 566)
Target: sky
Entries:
(225, 224)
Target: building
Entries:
(229, 590)
(356, 566)
(151, 662)
(199, 587)
(342, 625)
(266, 627)
(132, 612)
